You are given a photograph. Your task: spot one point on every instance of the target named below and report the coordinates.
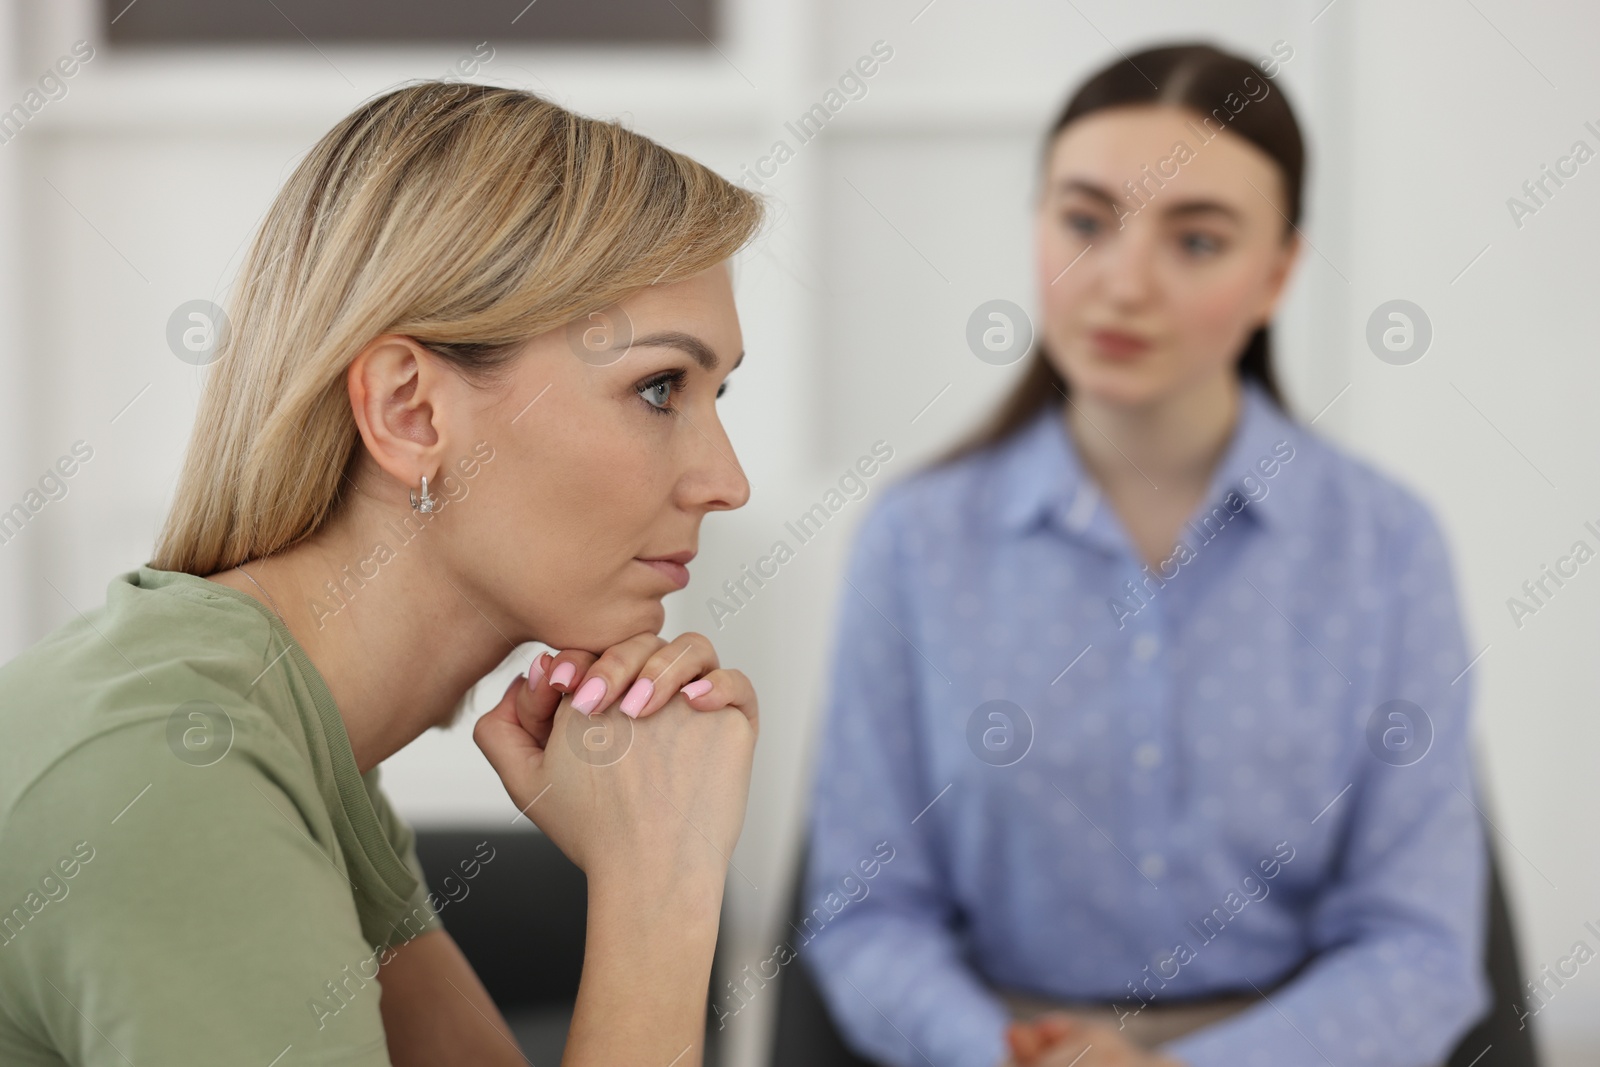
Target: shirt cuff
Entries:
(970, 1039)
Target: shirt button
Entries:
(1147, 755)
(1153, 865)
(1145, 647)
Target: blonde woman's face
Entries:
(606, 454)
(1147, 292)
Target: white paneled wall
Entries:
(1455, 107)
(136, 191)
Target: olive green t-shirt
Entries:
(192, 868)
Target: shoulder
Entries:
(202, 770)
(941, 505)
(1347, 499)
(1350, 536)
(140, 876)
(134, 837)
(153, 669)
(152, 743)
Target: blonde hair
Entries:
(467, 217)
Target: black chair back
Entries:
(520, 920)
(1500, 1039)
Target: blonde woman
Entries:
(407, 461)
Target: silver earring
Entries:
(427, 503)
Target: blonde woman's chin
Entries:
(639, 615)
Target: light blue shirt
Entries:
(1103, 782)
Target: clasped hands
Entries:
(662, 807)
(1061, 1039)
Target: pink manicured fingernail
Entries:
(638, 696)
(563, 675)
(698, 688)
(536, 671)
(590, 695)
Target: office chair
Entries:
(520, 924)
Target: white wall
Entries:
(135, 192)
(1452, 112)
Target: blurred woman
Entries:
(1156, 699)
(467, 401)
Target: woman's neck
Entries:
(1174, 442)
(399, 645)
(1154, 462)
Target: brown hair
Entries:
(468, 217)
(1199, 77)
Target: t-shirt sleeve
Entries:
(420, 914)
(182, 914)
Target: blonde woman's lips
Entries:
(675, 572)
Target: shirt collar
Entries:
(1262, 440)
(1042, 477)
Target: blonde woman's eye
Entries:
(657, 392)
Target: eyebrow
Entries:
(697, 349)
(1177, 210)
